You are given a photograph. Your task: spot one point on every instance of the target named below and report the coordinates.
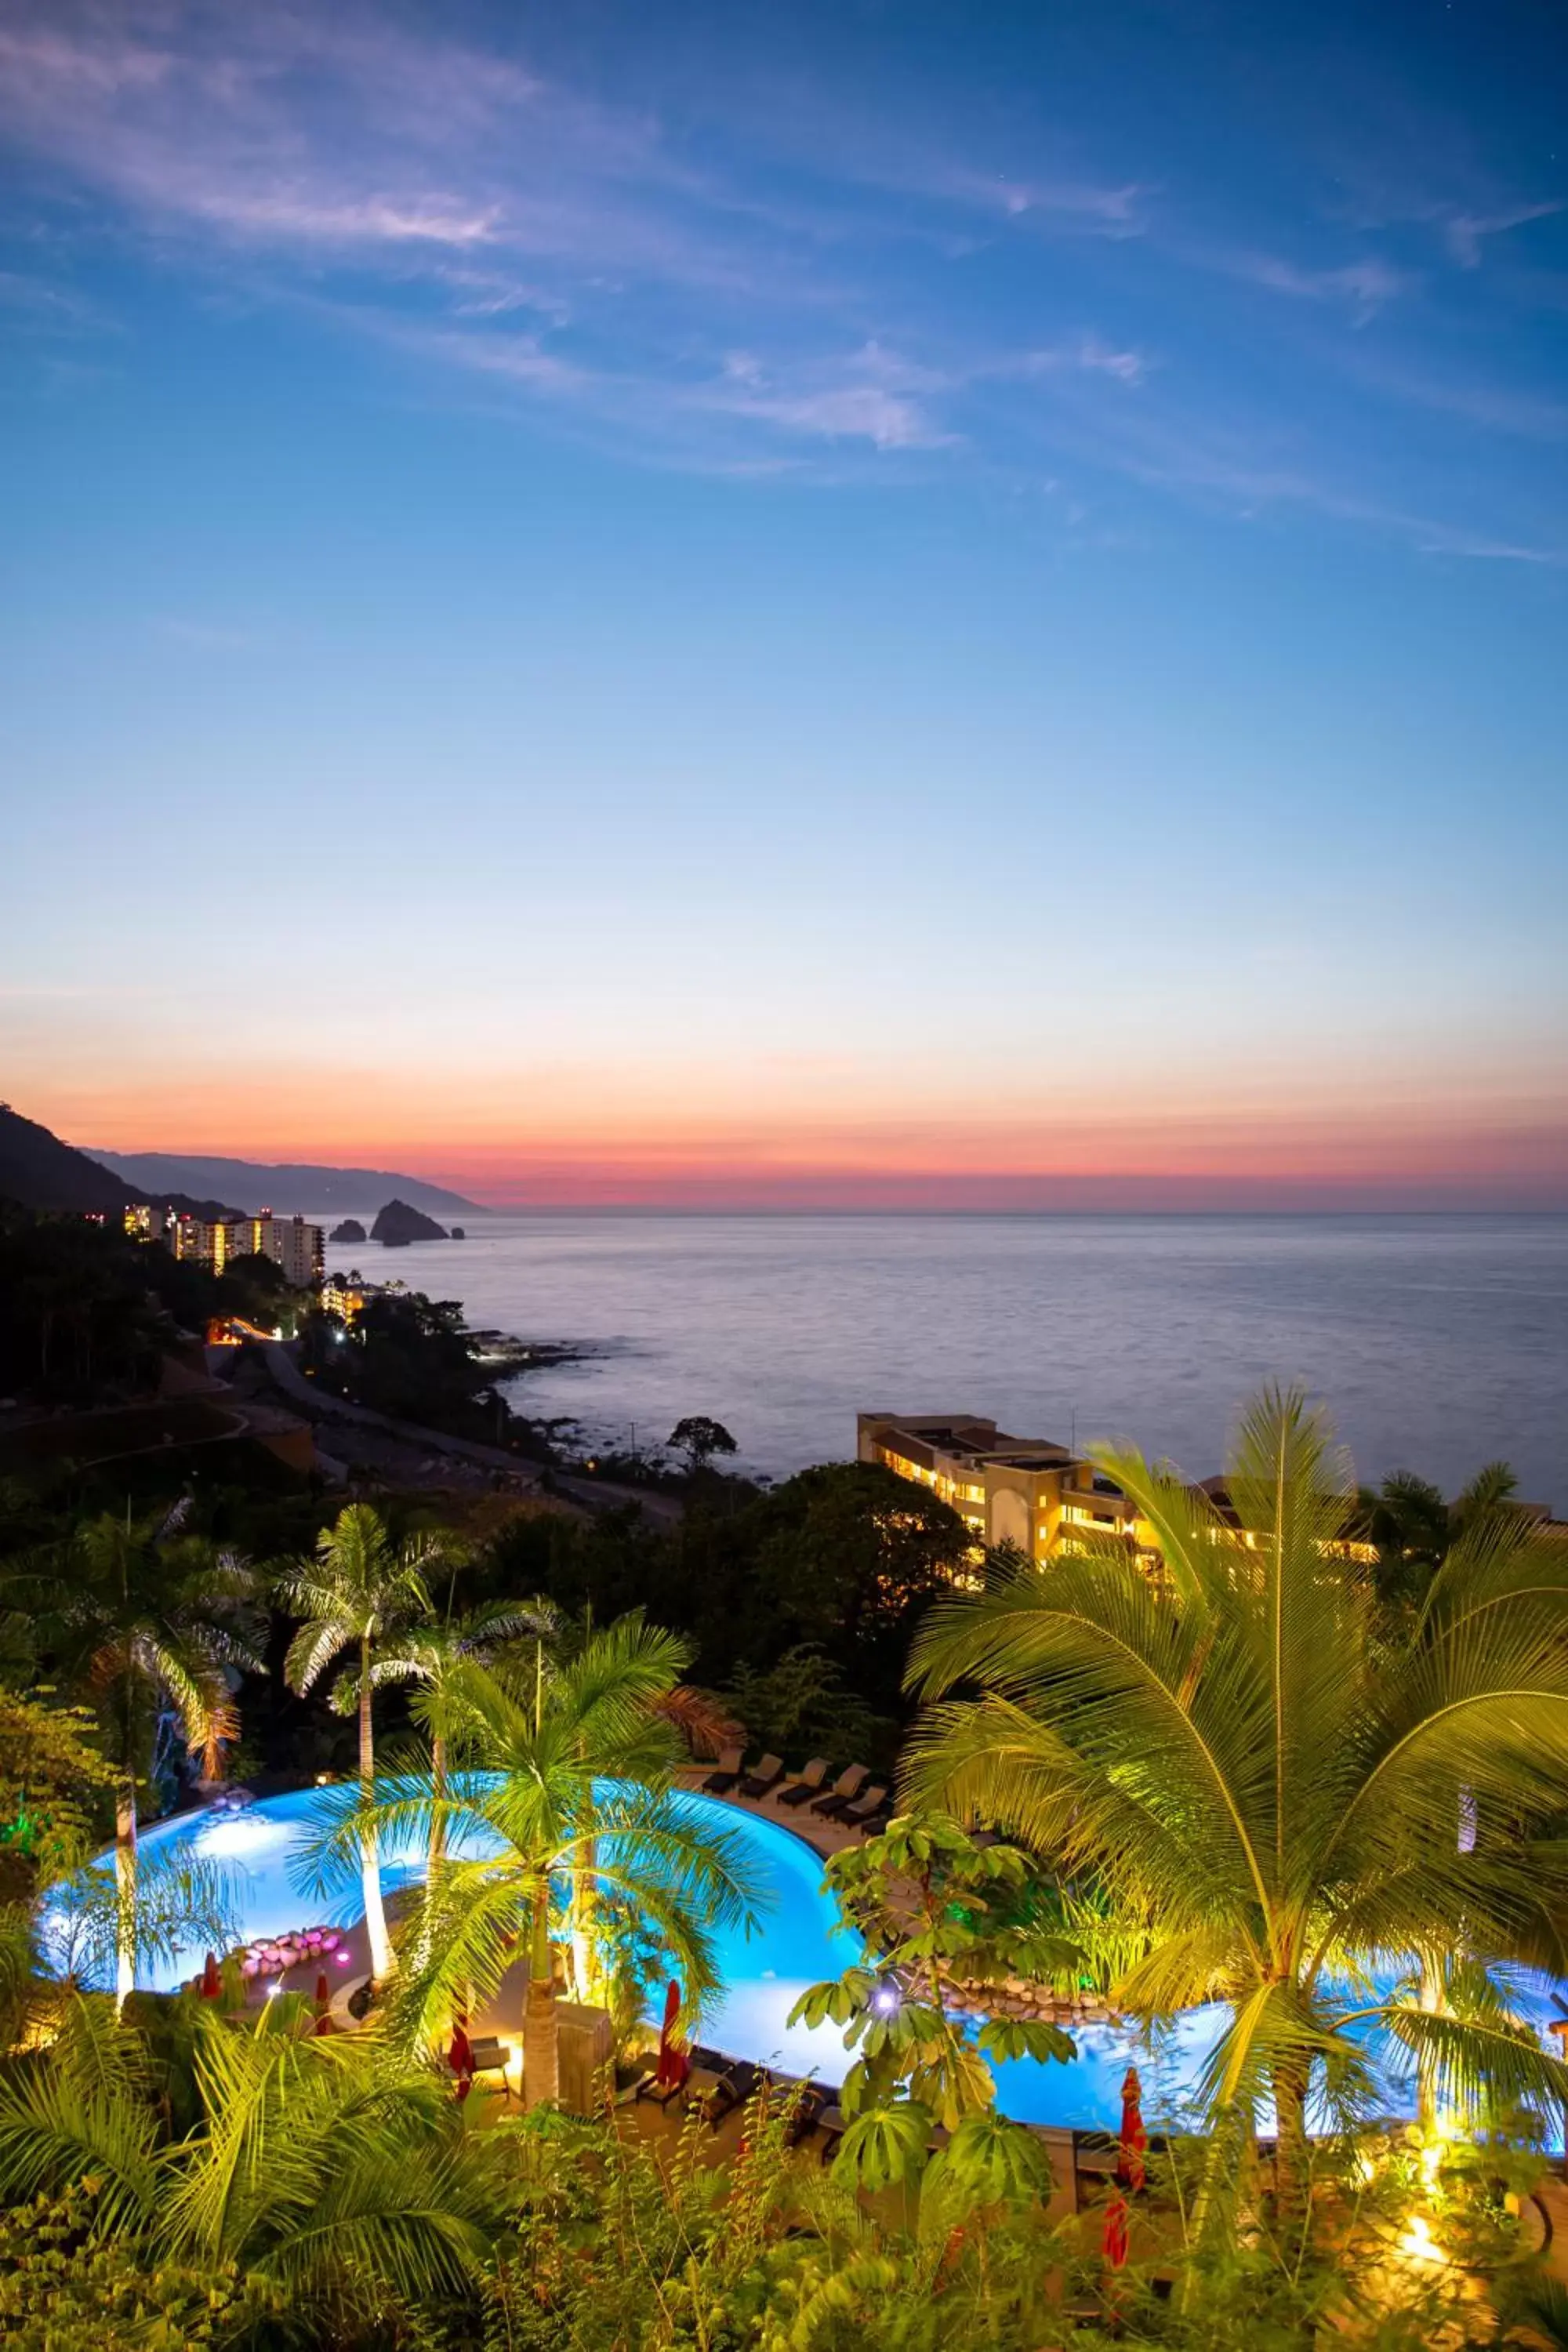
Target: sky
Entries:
(879, 603)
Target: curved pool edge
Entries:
(798, 1941)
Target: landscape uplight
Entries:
(1418, 2243)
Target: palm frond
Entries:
(81, 2108)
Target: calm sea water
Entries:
(1439, 1342)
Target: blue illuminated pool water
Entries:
(797, 1942)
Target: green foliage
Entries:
(98, 1917)
(69, 2285)
(80, 2108)
(885, 2144)
(358, 1594)
(142, 1620)
(931, 1908)
(334, 2194)
(1413, 1528)
(844, 1559)
(53, 1785)
(801, 1707)
(358, 1590)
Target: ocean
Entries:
(1438, 1342)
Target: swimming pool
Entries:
(797, 1942)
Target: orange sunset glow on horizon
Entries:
(817, 1140)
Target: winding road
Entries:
(591, 1494)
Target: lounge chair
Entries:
(867, 1811)
(489, 2056)
(810, 1783)
(767, 1775)
(844, 1792)
(663, 2094)
(718, 2093)
(720, 1783)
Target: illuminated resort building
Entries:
(348, 1294)
(295, 1247)
(1023, 1491)
(1042, 1498)
(291, 1244)
(343, 1295)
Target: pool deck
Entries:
(1078, 2196)
(827, 1837)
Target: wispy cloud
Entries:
(1478, 401)
(1467, 232)
(849, 410)
(1363, 287)
(1085, 354)
(1108, 210)
(645, 278)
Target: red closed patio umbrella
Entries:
(1113, 2243)
(323, 2003)
(461, 2057)
(1131, 2167)
(674, 2065)
(212, 1982)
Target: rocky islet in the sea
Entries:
(397, 1224)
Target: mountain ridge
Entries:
(291, 1188)
(41, 1172)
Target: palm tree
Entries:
(357, 1591)
(1287, 1803)
(149, 1623)
(436, 1658)
(337, 2170)
(336, 2175)
(563, 1824)
(1413, 1527)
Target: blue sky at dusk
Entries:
(785, 603)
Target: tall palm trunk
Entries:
(1290, 2126)
(584, 1942)
(380, 1957)
(541, 2033)
(585, 1904)
(1432, 1999)
(437, 1818)
(125, 1891)
(435, 1855)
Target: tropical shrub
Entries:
(66, 2285)
(931, 1908)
